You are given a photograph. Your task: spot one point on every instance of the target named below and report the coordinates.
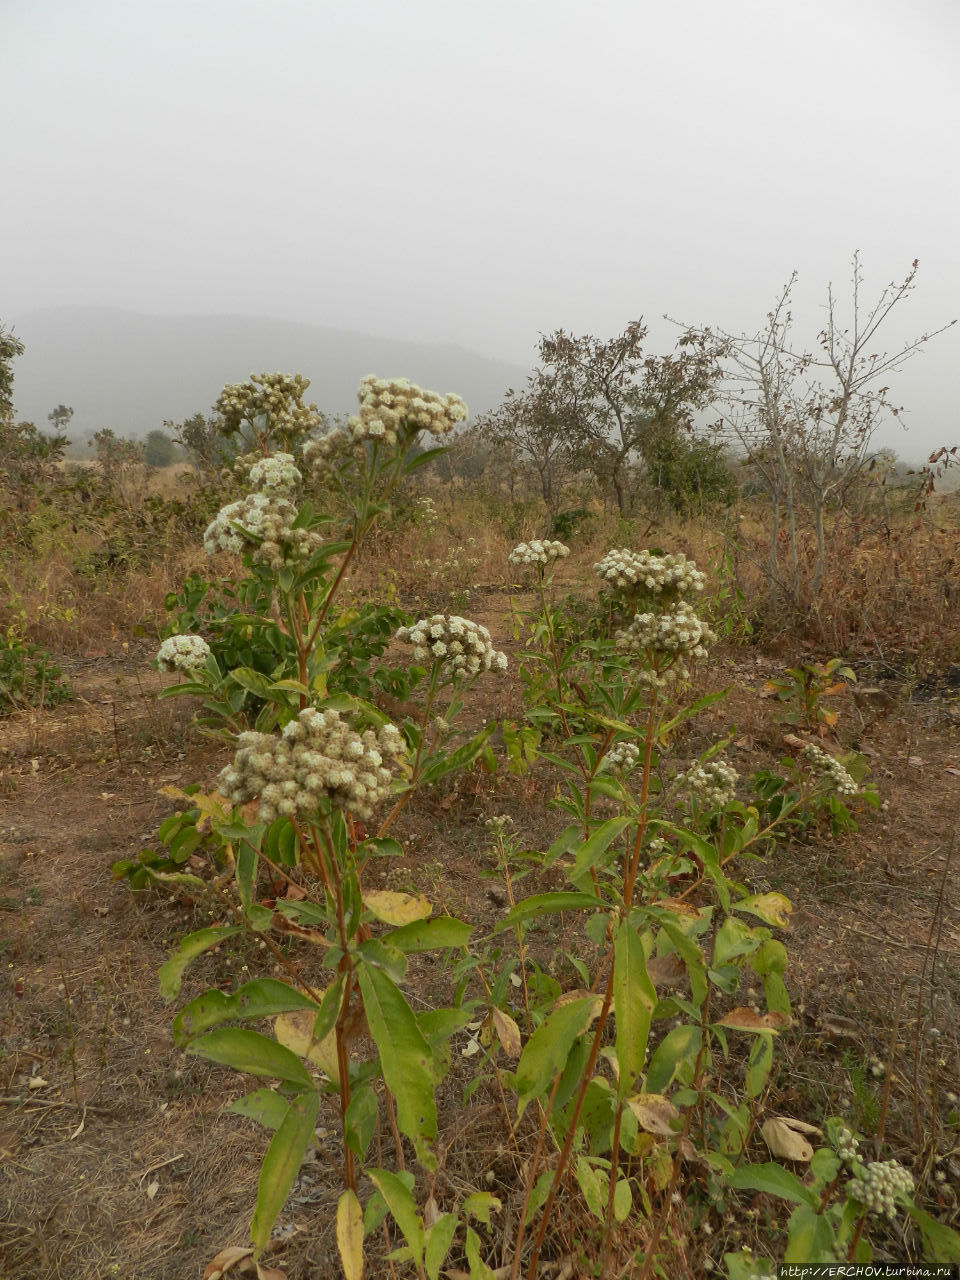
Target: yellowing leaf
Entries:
(295, 1031)
(397, 908)
(654, 1113)
(772, 908)
(350, 1235)
(785, 1141)
(508, 1033)
(750, 1020)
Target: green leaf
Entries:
(266, 1106)
(758, 1068)
(594, 1184)
(480, 1205)
(542, 904)
(405, 1056)
(261, 998)
(252, 680)
(545, 1053)
(810, 1236)
(439, 1238)
(360, 1120)
(443, 762)
(634, 997)
(401, 1204)
(193, 945)
(430, 935)
(592, 850)
(775, 1180)
(622, 1200)
(478, 1268)
(250, 1051)
(281, 1165)
(943, 1241)
(734, 938)
(680, 1045)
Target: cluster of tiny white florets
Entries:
(712, 784)
(317, 757)
(878, 1185)
(537, 552)
(847, 1145)
(277, 474)
(183, 653)
(677, 634)
(270, 400)
(263, 523)
(390, 409)
(831, 768)
(463, 646)
(630, 571)
(622, 755)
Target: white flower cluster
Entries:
(537, 552)
(275, 399)
(878, 1185)
(317, 756)
(622, 755)
(831, 768)
(183, 653)
(712, 784)
(678, 633)
(277, 474)
(628, 570)
(390, 408)
(262, 522)
(464, 646)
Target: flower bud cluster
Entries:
(627, 570)
(390, 408)
(678, 634)
(878, 1185)
(847, 1145)
(463, 646)
(537, 552)
(622, 755)
(183, 653)
(831, 768)
(274, 399)
(712, 784)
(317, 757)
(264, 523)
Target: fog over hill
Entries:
(132, 372)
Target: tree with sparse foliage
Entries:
(614, 400)
(59, 418)
(27, 455)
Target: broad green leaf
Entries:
(397, 908)
(692, 957)
(281, 1164)
(734, 938)
(478, 1268)
(405, 1056)
(401, 1204)
(439, 1238)
(252, 680)
(943, 1241)
(810, 1237)
(680, 1045)
(538, 1197)
(266, 1106)
(246, 871)
(360, 1120)
(431, 935)
(775, 1180)
(542, 904)
(261, 998)
(480, 1206)
(634, 997)
(251, 1052)
(594, 1184)
(545, 1053)
(193, 945)
(443, 762)
(759, 1065)
(591, 851)
(622, 1200)
(350, 1235)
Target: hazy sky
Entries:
(476, 172)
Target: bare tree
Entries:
(805, 421)
(536, 430)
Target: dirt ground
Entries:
(116, 1157)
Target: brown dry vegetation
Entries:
(117, 1156)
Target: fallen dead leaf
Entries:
(654, 1113)
(785, 1140)
(749, 1020)
(152, 1189)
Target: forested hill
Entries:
(131, 372)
